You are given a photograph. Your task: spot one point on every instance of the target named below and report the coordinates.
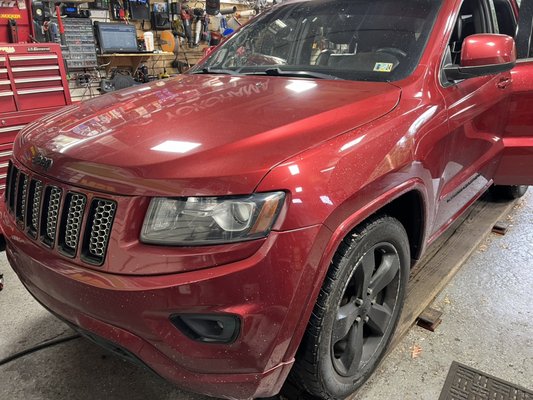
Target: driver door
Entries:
(516, 163)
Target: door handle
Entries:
(504, 82)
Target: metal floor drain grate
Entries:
(466, 383)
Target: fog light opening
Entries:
(208, 328)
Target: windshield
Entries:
(369, 40)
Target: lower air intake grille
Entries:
(101, 216)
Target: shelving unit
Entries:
(80, 52)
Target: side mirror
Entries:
(483, 54)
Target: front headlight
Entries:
(210, 220)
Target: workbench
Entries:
(130, 61)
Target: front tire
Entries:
(357, 310)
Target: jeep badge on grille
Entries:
(42, 161)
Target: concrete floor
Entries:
(487, 324)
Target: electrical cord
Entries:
(38, 347)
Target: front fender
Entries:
(335, 238)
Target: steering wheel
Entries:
(392, 50)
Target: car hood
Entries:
(196, 134)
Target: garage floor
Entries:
(487, 324)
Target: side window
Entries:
(505, 17)
(474, 17)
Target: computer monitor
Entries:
(115, 37)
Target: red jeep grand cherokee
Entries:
(258, 216)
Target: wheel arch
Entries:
(406, 202)
(408, 208)
(390, 203)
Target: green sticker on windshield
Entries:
(383, 67)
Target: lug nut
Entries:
(369, 292)
(358, 319)
(366, 319)
(358, 302)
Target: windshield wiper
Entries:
(220, 71)
(297, 74)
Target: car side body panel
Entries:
(516, 163)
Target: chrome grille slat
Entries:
(34, 206)
(22, 190)
(50, 214)
(74, 218)
(53, 211)
(98, 230)
(24, 196)
(71, 224)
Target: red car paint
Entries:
(341, 151)
(507, 54)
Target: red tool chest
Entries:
(32, 84)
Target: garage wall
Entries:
(158, 64)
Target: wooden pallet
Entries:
(445, 257)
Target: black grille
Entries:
(73, 211)
(12, 187)
(51, 216)
(99, 223)
(34, 207)
(22, 190)
(8, 177)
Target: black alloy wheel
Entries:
(366, 309)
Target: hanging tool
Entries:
(60, 26)
(227, 11)
(51, 31)
(245, 13)
(198, 14)
(175, 9)
(206, 33)
(169, 42)
(13, 31)
(118, 10)
(186, 19)
(38, 21)
(212, 7)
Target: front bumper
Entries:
(268, 291)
